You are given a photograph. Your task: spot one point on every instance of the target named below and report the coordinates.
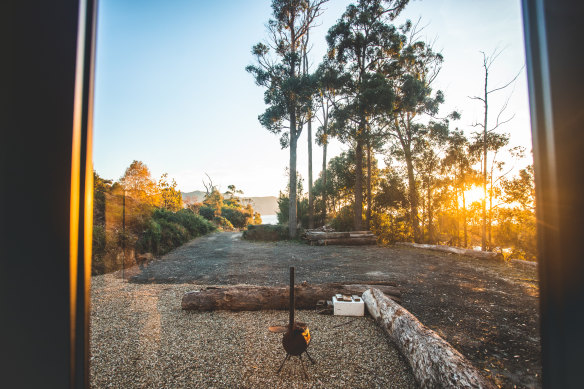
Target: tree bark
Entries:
(317, 235)
(435, 363)
(413, 194)
(292, 220)
(369, 200)
(255, 298)
(484, 204)
(324, 196)
(464, 220)
(310, 195)
(358, 207)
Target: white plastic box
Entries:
(355, 307)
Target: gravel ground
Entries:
(140, 338)
(487, 310)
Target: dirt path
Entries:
(487, 310)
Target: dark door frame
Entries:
(46, 187)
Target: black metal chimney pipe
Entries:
(292, 305)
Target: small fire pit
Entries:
(296, 334)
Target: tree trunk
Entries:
(365, 241)
(430, 215)
(490, 213)
(455, 250)
(292, 220)
(358, 185)
(310, 196)
(484, 226)
(324, 199)
(464, 220)
(255, 298)
(413, 194)
(435, 363)
(369, 200)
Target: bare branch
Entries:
(509, 83)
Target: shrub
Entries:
(266, 232)
(239, 218)
(207, 212)
(223, 223)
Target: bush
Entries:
(266, 232)
(240, 218)
(207, 212)
(223, 223)
(167, 230)
(344, 219)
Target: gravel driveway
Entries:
(488, 310)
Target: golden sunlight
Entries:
(473, 194)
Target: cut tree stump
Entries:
(255, 298)
(454, 250)
(435, 363)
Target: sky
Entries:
(171, 88)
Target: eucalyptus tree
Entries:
(497, 170)
(429, 151)
(288, 91)
(309, 117)
(412, 77)
(361, 46)
(324, 99)
(488, 61)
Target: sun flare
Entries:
(473, 194)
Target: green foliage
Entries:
(238, 217)
(207, 212)
(223, 223)
(214, 200)
(137, 216)
(266, 232)
(167, 230)
(344, 220)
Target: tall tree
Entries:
(305, 72)
(361, 45)
(138, 183)
(412, 77)
(487, 63)
(288, 91)
(326, 80)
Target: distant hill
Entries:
(266, 205)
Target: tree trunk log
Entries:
(327, 235)
(346, 241)
(435, 363)
(255, 298)
(455, 250)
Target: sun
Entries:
(473, 194)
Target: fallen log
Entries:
(255, 298)
(435, 363)
(347, 241)
(455, 250)
(327, 235)
(523, 262)
(370, 235)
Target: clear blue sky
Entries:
(172, 90)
